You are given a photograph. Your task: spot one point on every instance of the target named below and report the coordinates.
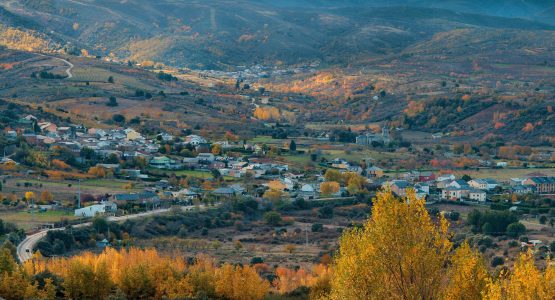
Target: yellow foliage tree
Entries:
(524, 282)
(46, 197)
(29, 196)
(329, 188)
(240, 283)
(333, 175)
(399, 254)
(468, 275)
(273, 195)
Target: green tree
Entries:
(272, 218)
(112, 102)
(100, 225)
(292, 146)
(516, 229)
(110, 79)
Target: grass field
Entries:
(504, 174)
(191, 173)
(94, 74)
(27, 220)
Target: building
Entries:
(399, 187)
(454, 193)
(477, 195)
(542, 185)
(140, 197)
(370, 138)
(374, 172)
(446, 177)
(96, 209)
(483, 184)
(194, 140)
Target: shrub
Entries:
(317, 227)
(497, 261)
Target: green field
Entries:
(190, 173)
(27, 220)
(93, 74)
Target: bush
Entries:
(497, 261)
(325, 212)
(516, 229)
(272, 218)
(317, 227)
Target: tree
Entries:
(272, 218)
(516, 229)
(112, 102)
(110, 79)
(333, 175)
(46, 197)
(290, 248)
(273, 195)
(118, 118)
(240, 282)
(372, 265)
(29, 196)
(100, 225)
(468, 274)
(317, 227)
(216, 149)
(292, 146)
(329, 188)
(524, 281)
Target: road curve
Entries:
(25, 248)
(70, 65)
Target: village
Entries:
(125, 153)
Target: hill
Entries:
(210, 35)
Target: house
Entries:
(477, 195)
(483, 184)
(140, 197)
(426, 176)
(132, 135)
(308, 191)
(339, 163)
(501, 164)
(223, 192)
(454, 193)
(206, 157)
(523, 189)
(445, 177)
(458, 184)
(374, 172)
(186, 194)
(163, 162)
(48, 127)
(516, 181)
(194, 140)
(542, 185)
(399, 187)
(96, 209)
(103, 244)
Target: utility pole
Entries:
(306, 234)
(78, 193)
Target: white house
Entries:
(96, 209)
(194, 140)
(445, 177)
(477, 195)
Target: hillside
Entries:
(208, 35)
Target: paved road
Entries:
(25, 248)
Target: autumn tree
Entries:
(29, 196)
(46, 197)
(525, 281)
(398, 254)
(329, 188)
(333, 175)
(240, 283)
(468, 274)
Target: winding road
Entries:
(25, 248)
(70, 65)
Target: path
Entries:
(25, 248)
(70, 65)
